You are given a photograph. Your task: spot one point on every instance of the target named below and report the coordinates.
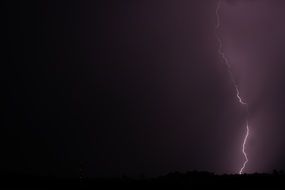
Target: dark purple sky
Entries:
(118, 87)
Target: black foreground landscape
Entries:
(189, 180)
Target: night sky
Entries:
(111, 88)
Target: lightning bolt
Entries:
(223, 56)
(243, 149)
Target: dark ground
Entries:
(189, 180)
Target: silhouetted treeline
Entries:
(194, 180)
(12, 180)
(174, 180)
